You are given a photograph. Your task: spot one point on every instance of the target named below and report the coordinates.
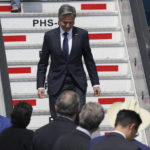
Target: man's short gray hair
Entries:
(91, 116)
(68, 103)
(66, 10)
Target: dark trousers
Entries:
(69, 84)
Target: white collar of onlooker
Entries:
(115, 131)
(84, 131)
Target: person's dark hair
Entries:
(66, 10)
(91, 116)
(21, 114)
(127, 117)
(67, 103)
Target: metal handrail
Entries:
(5, 97)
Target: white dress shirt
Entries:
(69, 36)
(84, 131)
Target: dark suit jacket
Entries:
(16, 139)
(60, 65)
(114, 141)
(46, 136)
(97, 139)
(76, 140)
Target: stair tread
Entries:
(41, 30)
(97, 61)
(17, 15)
(39, 46)
(102, 77)
(34, 95)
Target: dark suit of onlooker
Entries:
(18, 137)
(47, 135)
(126, 126)
(66, 52)
(76, 140)
(67, 106)
(89, 119)
(115, 141)
(97, 139)
(141, 145)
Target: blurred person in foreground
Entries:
(90, 118)
(127, 106)
(18, 137)
(67, 107)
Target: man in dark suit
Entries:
(17, 137)
(65, 46)
(136, 142)
(126, 126)
(67, 107)
(90, 118)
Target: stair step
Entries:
(52, 22)
(111, 69)
(100, 61)
(104, 93)
(33, 79)
(106, 85)
(52, 6)
(31, 55)
(37, 38)
(41, 30)
(87, 13)
(41, 106)
(39, 46)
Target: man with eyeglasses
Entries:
(66, 45)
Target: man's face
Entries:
(67, 22)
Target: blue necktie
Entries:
(65, 45)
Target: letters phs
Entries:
(43, 22)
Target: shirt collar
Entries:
(116, 131)
(62, 31)
(84, 131)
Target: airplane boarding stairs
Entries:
(23, 36)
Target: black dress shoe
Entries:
(16, 10)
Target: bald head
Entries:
(67, 103)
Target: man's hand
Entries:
(41, 92)
(97, 91)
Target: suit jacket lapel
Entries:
(74, 41)
(58, 43)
